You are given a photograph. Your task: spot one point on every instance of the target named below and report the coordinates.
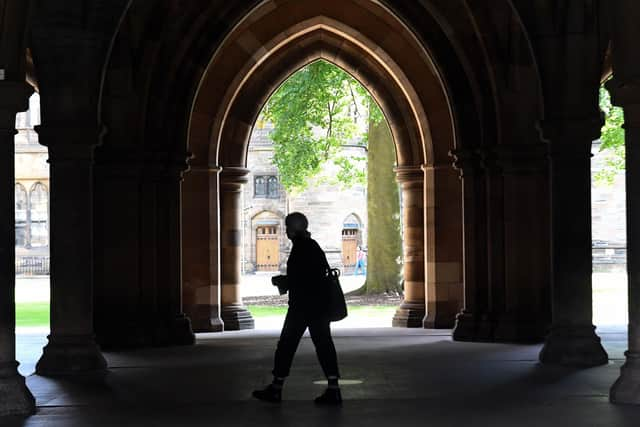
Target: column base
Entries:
(626, 389)
(438, 321)
(509, 328)
(176, 332)
(236, 317)
(409, 315)
(573, 346)
(70, 356)
(205, 318)
(16, 399)
(472, 328)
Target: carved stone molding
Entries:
(409, 174)
(467, 161)
(232, 178)
(572, 131)
(14, 97)
(623, 93)
(516, 158)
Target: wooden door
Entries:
(349, 247)
(267, 248)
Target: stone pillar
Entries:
(72, 348)
(234, 314)
(443, 246)
(201, 274)
(173, 326)
(16, 398)
(412, 310)
(518, 243)
(472, 323)
(627, 387)
(572, 339)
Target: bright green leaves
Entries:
(612, 140)
(316, 111)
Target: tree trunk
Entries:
(384, 265)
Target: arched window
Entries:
(21, 215)
(39, 215)
(272, 187)
(260, 184)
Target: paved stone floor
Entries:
(409, 377)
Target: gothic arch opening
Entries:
(226, 107)
(440, 75)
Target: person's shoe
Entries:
(268, 394)
(331, 396)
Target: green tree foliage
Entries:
(612, 140)
(314, 113)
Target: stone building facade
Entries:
(609, 228)
(337, 214)
(31, 194)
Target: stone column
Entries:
(443, 246)
(572, 339)
(16, 398)
(627, 387)
(472, 323)
(518, 237)
(201, 274)
(234, 315)
(72, 348)
(412, 310)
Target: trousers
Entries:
(295, 324)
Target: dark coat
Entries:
(306, 269)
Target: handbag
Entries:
(337, 306)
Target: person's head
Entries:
(296, 224)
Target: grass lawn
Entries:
(355, 310)
(30, 314)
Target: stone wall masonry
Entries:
(326, 205)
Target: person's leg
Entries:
(320, 332)
(292, 330)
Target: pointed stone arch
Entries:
(451, 80)
(408, 89)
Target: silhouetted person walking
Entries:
(308, 302)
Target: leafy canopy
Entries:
(314, 112)
(612, 139)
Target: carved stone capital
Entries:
(410, 176)
(149, 164)
(623, 93)
(209, 170)
(69, 135)
(14, 97)
(233, 177)
(572, 131)
(517, 158)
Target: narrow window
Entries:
(39, 214)
(260, 186)
(272, 187)
(21, 215)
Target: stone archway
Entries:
(446, 81)
(219, 131)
